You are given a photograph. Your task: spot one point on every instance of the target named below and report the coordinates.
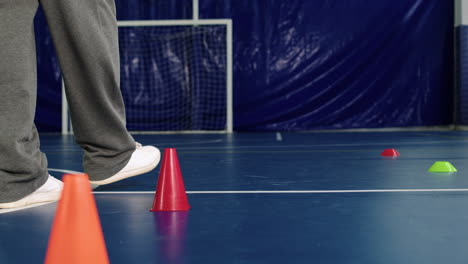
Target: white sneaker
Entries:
(143, 159)
(48, 192)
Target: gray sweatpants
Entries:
(85, 37)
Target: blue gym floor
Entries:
(276, 198)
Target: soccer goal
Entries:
(176, 76)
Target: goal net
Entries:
(175, 75)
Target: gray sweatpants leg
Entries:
(23, 168)
(85, 37)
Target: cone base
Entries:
(170, 210)
(390, 153)
(442, 166)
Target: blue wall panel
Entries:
(317, 64)
(153, 9)
(462, 75)
(49, 79)
(304, 64)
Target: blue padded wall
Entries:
(49, 80)
(462, 75)
(304, 64)
(316, 64)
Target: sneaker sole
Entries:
(36, 199)
(129, 174)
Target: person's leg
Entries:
(23, 168)
(85, 41)
(85, 37)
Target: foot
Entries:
(143, 159)
(48, 192)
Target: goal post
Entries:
(188, 82)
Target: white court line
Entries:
(321, 145)
(75, 149)
(300, 191)
(2, 211)
(189, 142)
(64, 171)
(184, 145)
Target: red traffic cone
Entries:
(76, 235)
(390, 153)
(170, 192)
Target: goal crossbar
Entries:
(173, 22)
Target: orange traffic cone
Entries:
(170, 191)
(76, 235)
